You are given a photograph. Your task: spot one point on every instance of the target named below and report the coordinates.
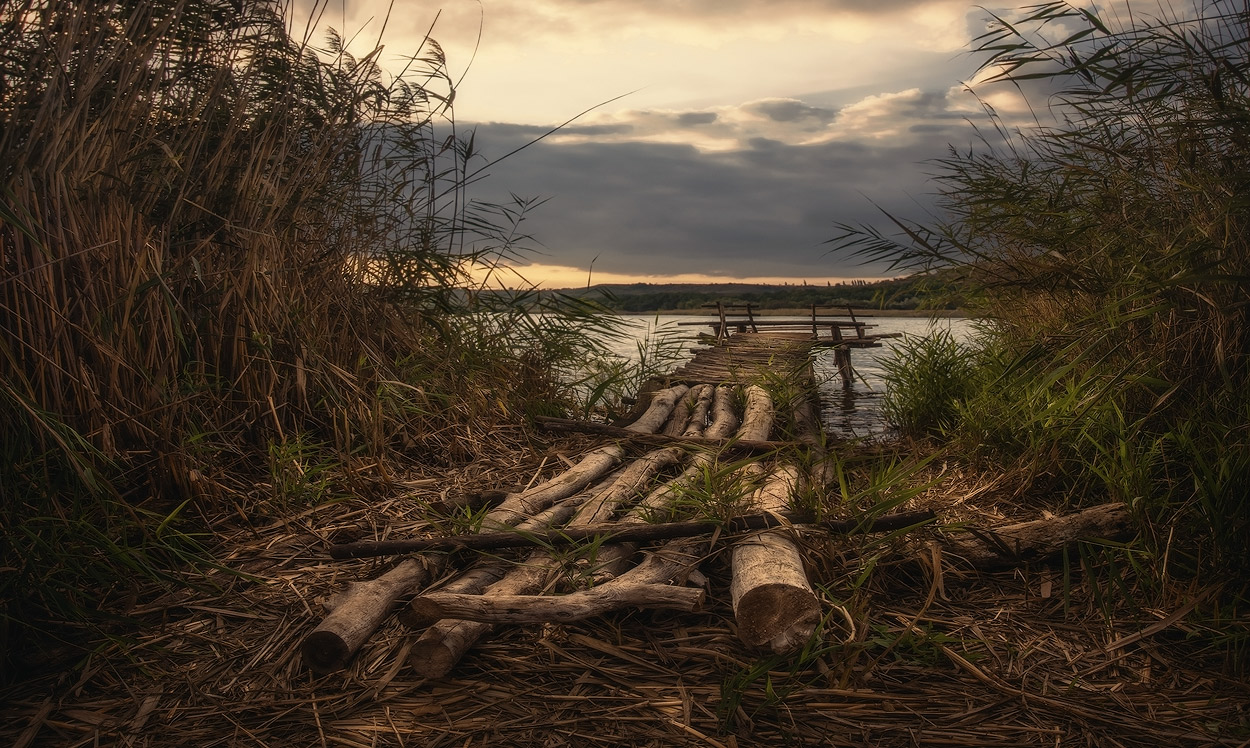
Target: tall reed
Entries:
(221, 243)
(1107, 242)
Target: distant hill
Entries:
(904, 293)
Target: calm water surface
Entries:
(853, 412)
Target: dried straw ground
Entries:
(910, 658)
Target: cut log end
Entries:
(325, 652)
(780, 617)
(437, 651)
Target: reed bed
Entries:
(232, 253)
(1105, 243)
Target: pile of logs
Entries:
(595, 499)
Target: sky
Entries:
(726, 139)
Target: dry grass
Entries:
(1000, 659)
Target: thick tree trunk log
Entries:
(773, 602)
(357, 613)
(1037, 539)
(757, 419)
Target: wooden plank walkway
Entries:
(744, 347)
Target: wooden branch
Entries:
(628, 532)
(603, 429)
(773, 602)
(574, 606)
(1038, 539)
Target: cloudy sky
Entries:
(744, 131)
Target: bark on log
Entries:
(773, 602)
(574, 606)
(592, 467)
(630, 529)
(757, 419)
(739, 445)
(1038, 539)
(441, 646)
(357, 613)
(644, 586)
(697, 423)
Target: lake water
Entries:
(845, 412)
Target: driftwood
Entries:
(732, 445)
(357, 613)
(1037, 539)
(365, 605)
(591, 468)
(574, 606)
(441, 646)
(627, 531)
(773, 602)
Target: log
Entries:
(613, 559)
(697, 423)
(1038, 539)
(630, 530)
(739, 445)
(644, 586)
(575, 606)
(441, 646)
(773, 602)
(357, 613)
(589, 469)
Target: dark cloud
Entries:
(792, 110)
(764, 209)
(690, 119)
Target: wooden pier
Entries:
(743, 346)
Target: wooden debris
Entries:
(627, 531)
(739, 445)
(773, 602)
(442, 645)
(357, 614)
(1037, 539)
(574, 606)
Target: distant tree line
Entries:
(916, 292)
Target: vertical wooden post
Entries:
(842, 357)
(751, 318)
(815, 332)
(722, 332)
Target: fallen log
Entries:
(1037, 539)
(644, 586)
(441, 646)
(738, 445)
(591, 468)
(773, 602)
(574, 606)
(627, 531)
(357, 613)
